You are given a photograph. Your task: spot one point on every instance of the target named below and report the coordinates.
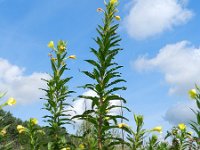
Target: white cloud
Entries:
(80, 105)
(178, 62)
(24, 88)
(151, 17)
(181, 113)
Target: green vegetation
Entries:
(100, 129)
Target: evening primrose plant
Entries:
(136, 138)
(32, 132)
(56, 94)
(180, 137)
(106, 77)
(11, 101)
(195, 125)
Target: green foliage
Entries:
(100, 129)
(136, 138)
(33, 134)
(106, 77)
(195, 125)
(180, 137)
(56, 94)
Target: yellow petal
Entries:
(34, 121)
(121, 125)
(72, 56)
(3, 132)
(51, 44)
(192, 93)
(182, 126)
(113, 1)
(158, 129)
(117, 17)
(11, 101)
(20, 128)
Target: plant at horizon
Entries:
(106, 76)
(195, 125)
(136, 138)
(32, 132)
(56, 93)
(11, 101)
(180, 137)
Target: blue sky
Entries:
(160, 57)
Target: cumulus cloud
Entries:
(24, 88)
(151, 17)
(178, 62)
(81, 104)
(181, 113)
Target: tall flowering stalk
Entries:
(195, 125)
(32, 133)
(181, 138)
(3, 131)
(106, 76)
(56, 94)
(136, 138)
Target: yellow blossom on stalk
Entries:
(72, 56)
(53, 59)
(20, 128)
(3, 132)
(192, 93)
(107, 118)
(113, 1)
(158, 129)
(182, 126)
(81, 146)
(117, 17)
(62, 48)
(34, 121)
(11, 101)
(121, 125)
(51, 44)
(41, 132)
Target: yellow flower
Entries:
(34, 121)
(158, 129)
(107, 118)
(81, 146)
(121, 125)
(3, 132)
(11, 101)
(113, 1)
(192, 93)
(41, 132)
(51, 44)
(20, 128)
(53, 59)
(182, 126)
(62, 48)
(117, 17)
(72, 56)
